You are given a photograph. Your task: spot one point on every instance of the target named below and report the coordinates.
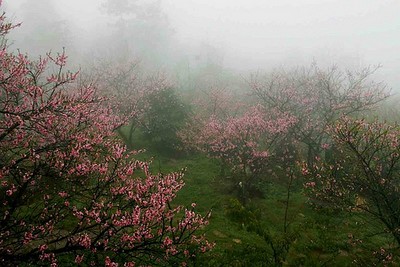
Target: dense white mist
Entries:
(256, 34)
(260, 33)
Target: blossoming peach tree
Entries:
(244, 143)
(69, 189)
(129, 89)
(364, 177)
(317, 98)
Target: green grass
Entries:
(318, 238)
(321, 238)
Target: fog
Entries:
(241, 35)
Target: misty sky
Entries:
(260, 34)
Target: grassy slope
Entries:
(320, 238)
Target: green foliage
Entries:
(164, 117)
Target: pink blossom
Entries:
(79, 259)
(109, 263)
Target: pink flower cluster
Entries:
(242, 141)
